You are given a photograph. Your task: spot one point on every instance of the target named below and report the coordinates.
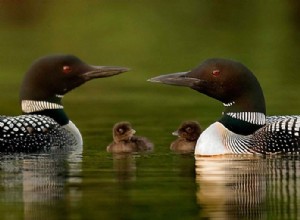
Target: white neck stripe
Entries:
(229, 104)
(59, 96)
(29, 106)
(251, 117)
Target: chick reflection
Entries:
(124, 165)
(188, 134)
(124, 140)
(231, 188)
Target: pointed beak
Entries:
(175, 133)
(177, 79)
(103, 71)
(132, 131)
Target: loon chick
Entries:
(124, 140)
(44, 123)
(243, 127)
(188, 134)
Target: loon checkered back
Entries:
(243, 127)
(44, 123)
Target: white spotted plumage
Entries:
(33, 132)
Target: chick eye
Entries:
(67, 69)
(216, 73)
(189, 129)
(121, 131)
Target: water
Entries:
(248, 188)
(61, 186)
(152, 38)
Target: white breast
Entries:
(71, 127)
(211, 141)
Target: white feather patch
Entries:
(29, 106)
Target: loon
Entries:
(124, 140)
(44, 123)
(188, 134)
(244, 127)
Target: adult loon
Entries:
(243, 127)
(188, 134)
(126, 142)
(44, 123)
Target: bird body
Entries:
(188, 133)
(244, 127)
(44, 123)
(124, 140)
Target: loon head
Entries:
(53, 76)
(225, 80)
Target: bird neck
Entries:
(247, 113)
(243, 120)
(243, 123)
(51, 108)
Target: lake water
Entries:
(152, 38)
(154, 186)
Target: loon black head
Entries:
(51, 77)
(225, 80)
(54, 76)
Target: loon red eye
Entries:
(67, 69)
(216, 73)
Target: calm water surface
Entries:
(150, 186)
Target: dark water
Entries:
(159, 186)
(152, 38)
(248, 188)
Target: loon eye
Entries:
(216, 73)
(120, 130)
(67, 69)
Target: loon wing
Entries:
(280, 135)
(27, 133)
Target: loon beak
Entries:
(103, 71)
(177, 79)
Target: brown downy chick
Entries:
(188, 134)
(125, 141)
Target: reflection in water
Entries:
(248, 187)
(125, 166)
(35, 182)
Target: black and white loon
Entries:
(243, 127)
(44, 123)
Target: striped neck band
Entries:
(29, 106)
(251, 117)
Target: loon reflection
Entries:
(243, 187)
(33, 182)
